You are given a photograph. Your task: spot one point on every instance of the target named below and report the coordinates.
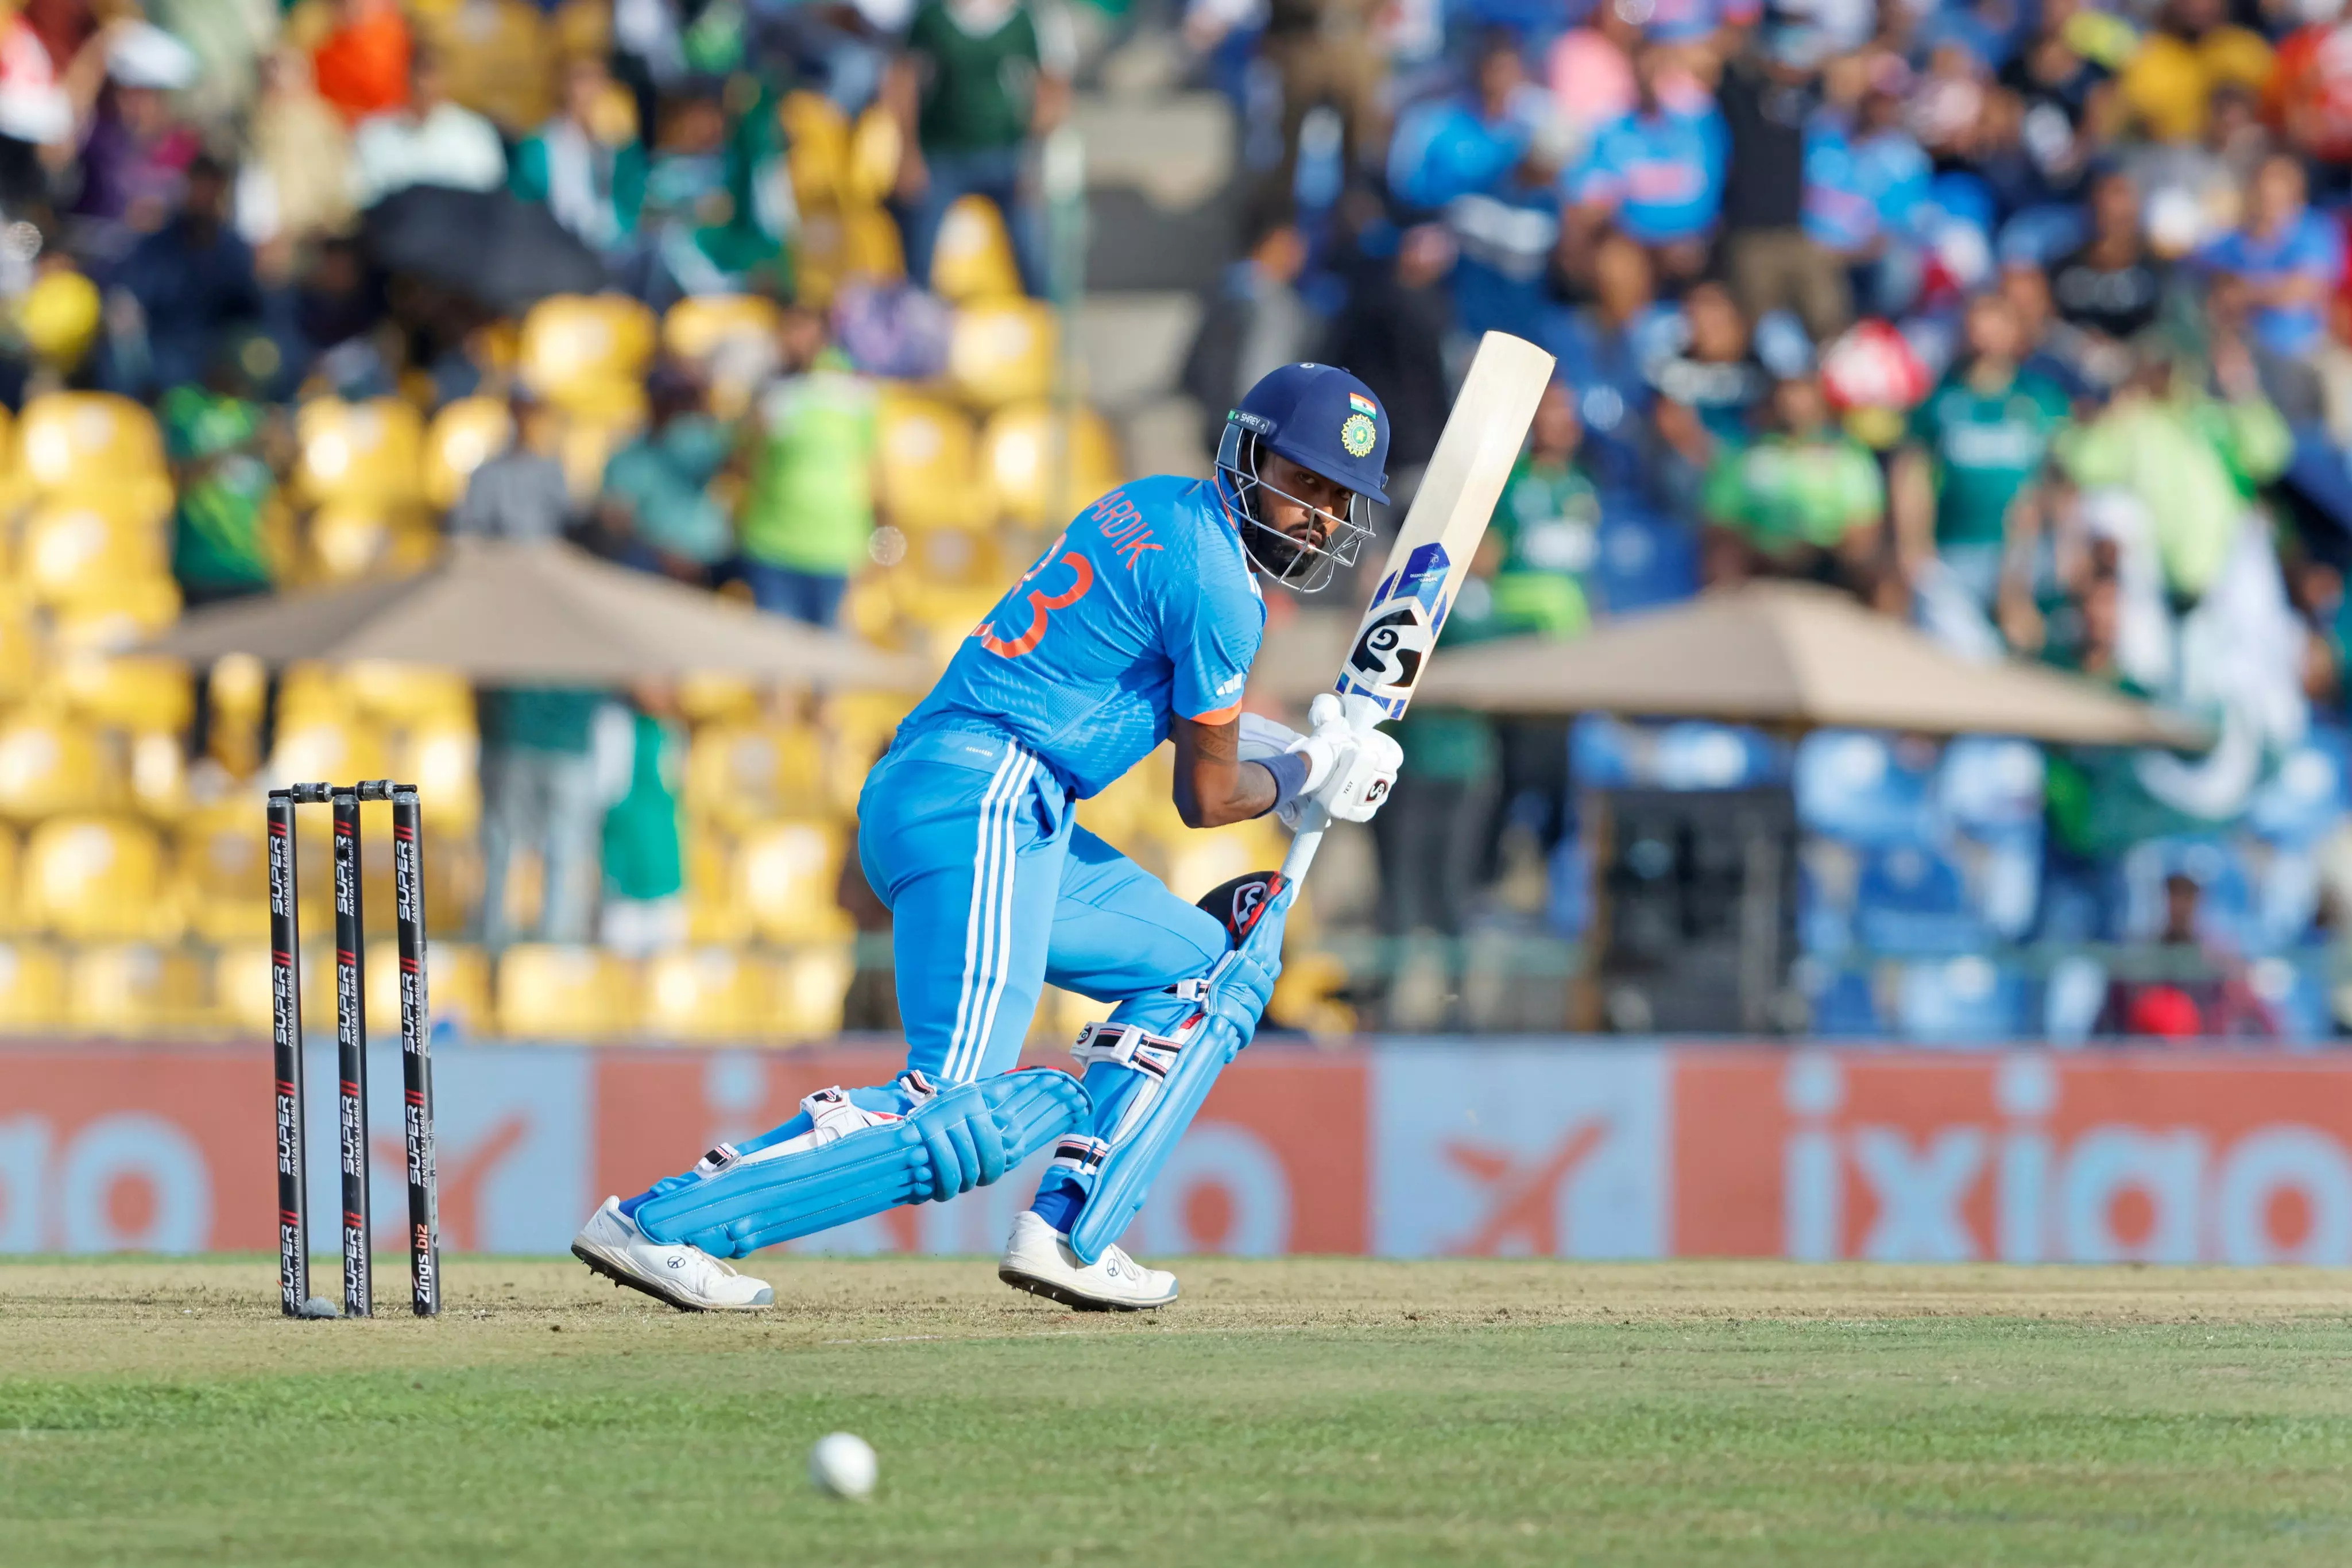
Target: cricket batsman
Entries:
(1138, 624)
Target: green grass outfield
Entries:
(1314, 1411)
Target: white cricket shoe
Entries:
(1038, 1260)
(687, 1277)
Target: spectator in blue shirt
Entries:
(2290, 258)
(1656, 174)
(1604, 349)
(1468, 145)
(1864, 183)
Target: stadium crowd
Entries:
(2024, 322)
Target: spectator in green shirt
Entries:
(656, 512)
(1977, 445)
(1803, 500)
(811, 445)
(227, 493)
(586, 166)
(978, 80)
(539, 792)
(1548, 527)
(2192, 459)
(644, 857)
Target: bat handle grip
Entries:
(1364, 714)
(1304, 843)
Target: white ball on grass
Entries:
(842, 1463)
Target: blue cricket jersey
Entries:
(1144, 608)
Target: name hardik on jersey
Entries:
(1144, 607)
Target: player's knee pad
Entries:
(1146, 1071)
(854, 1162)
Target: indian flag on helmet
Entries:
(1362, 405)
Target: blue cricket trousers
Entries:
(994, 890)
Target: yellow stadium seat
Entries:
(714, 911)
(1306, 995)
(816, 154)
(90, 877)
(870, 611)
(1126, 809)
(705, 994)
(810, 984)
(310, 690)
(111, 616)
(499, 54)
(1016, 457)
(973, 258)
(834, 244)
(11, 913)
(1061, 1014)
(554, 993)
(740, 774)
(20, 650)
(870, 246)
(352, 539)
(130, 991)
(60, 316)
(456, 986)
(584, 30)
(959, 559)
(820, 256)
(871, 171)
(240, 687)
(316, 745)
(1197, 860)
(372, 452)
(49, 765)
(32, 987)
(70, 442)
(75, 552)
(707, 697)
(466, 434)
(944, 615)
(701, 325)
(444, 760)
(159, 774)
(1002, 351)
(225, 872)
(405, 695)
(590, 439)
(138, 695)
(858, 726)
(926, 478)
(575, 345)
(786, 873)
(242, 984)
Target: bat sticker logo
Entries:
(1389, 656)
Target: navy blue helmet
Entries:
(1329, 422)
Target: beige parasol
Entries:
(536, 614)
(1792, 654)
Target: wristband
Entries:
(1289, 770)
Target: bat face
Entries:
(1399, 629)
(1390, 650)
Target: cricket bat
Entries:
(1448, 517)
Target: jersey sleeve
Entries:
(1210, 626)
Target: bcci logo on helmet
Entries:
(1358, 436)
(1389, 656)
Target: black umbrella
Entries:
(502, 252)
